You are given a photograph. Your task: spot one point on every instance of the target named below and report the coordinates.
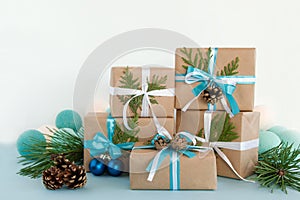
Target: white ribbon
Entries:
(153, 169)
(240, 146)
(146, 104)
(189, 79)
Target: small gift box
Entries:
(184, 161)
(215, 78)
(113, 129)
(238, 141)
(192, 173)
(142, 91)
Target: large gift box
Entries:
(238, 141)
(200, 70)
(198, 172)
(139, 87)
(144, 129)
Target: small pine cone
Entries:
(53, 178)
(75, 176)
(160, 143)
(61, 162)
(212, 95)
(179, 143)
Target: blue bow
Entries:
(100, 145)
(206, 79)
(156, 162)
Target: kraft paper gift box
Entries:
(99, 122)
(247, 129)
(196, 173)
(245, 78)
(135, 78)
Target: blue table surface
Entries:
(13, 186)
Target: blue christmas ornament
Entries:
(114, 167)
(96, 167)
(278, 129)
(267, 140)
(68, 119)
(27, 139)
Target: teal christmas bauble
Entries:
(267, 140)
(290, 137)
(277, 129)
(68, 119)
(27, 139)
(114, 167)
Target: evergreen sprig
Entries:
(231, 68)
(123, 135)
(128, 81)
(228, 133)
(197, 61)
(62, 141)
(200, 62)
(279, 167)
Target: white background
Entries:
(44, 43)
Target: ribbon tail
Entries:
(145, 107)
(155, 163)
(233, 104)
(197, 92)
(226, 108)
(224, 157)
(125, 121)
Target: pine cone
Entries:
(74, 176)
(53, 178)
(61, 162)
(160, 143)
(179, 143)
(212, 94)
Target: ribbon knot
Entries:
(100, 145)
(205, 80)
(146, 103)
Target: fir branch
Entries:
(231, 68)
(279, 167)
(63, 141)
(122, 135)
(198, 61)
(228, 133)
(128, 81)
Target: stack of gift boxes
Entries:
(213, 130)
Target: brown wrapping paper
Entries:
(165, 106)
(195, 173)
(96, 122)
(247, 127)
(244, 94)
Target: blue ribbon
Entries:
(174, 161)
(100, 144)
(206, 79)
(204, 82)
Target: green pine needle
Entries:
(128, 81)
(279, 167)
(122, 135)
(230, 69)
(200, 62)
(68, 143)
(228, 133)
